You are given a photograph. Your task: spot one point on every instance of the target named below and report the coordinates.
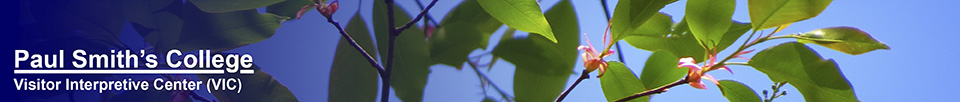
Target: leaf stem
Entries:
(584, 75)
(658, 90)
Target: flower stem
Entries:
(584, 75)
(658, 90)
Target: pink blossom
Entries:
(593, 59)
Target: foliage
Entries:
(544, 59)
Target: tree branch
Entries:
(584, 75)
(653, 91)
(392, 33)
(373, 62)
(415, 19)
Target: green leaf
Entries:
(736, 30)
(632, 14)
(352, 78)
(738, 92)
(466, 27)
(543, 67)
(682, 43)
(488, 99)
(771, 13)
(288, 8)
(412, 57)
(160, 27)
(224, 31)
(657, 25)
(619, 82)
(524, 15)
(709, 19)
(817, 79)
(661, 69)
(261, 85)
(848, 40)
(221, 6)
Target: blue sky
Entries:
(921, 34)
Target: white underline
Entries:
(209, 71)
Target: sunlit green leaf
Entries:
(658, 25)
(223, 31)
(817, 79)
(466, 27)
(260, 84)
(543, 67)
(619, 82)
(352, 78)
(631, 14)
(709, 19)
(848, 40)
(737, 92)
(682, 43)
(221, 6)
(412, 60)
(288, 8)
(523, 15)
(661, 69)
(771, 13)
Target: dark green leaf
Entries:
(466, 28)
(631, 14)
(259, 87)
(488, 99)
(523, 15)
(737, 92)
(817, 79)
(155, 21)
(412, 59)
(619, 82)
(352, 78)
(288, 8)
(224, 31)
(221, 6)
(709, 19)
(661, 69)
(771, 13)
(848, 40)
(543, 67)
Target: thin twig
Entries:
(584, 75)
(415, 19)
(654, 91)
(392, 33)
(487, 79)
(373, 62)
(429, 18)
